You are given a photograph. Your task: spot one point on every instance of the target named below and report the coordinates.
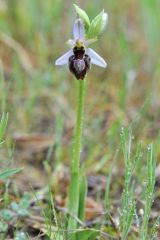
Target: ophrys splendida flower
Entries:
(79, 58)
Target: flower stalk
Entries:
(79, 125)
(75, 165)
(79, 59)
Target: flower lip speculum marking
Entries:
(79, 62)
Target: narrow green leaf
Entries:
(82, 195)
(151, 165)
(130, 216)
(73, 203)
(3, 124)
(8, 173)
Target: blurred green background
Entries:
(41, 98)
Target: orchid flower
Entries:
(79, 58)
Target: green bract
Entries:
(94, 28)
(97, 25)
(83, 15)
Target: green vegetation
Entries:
(120, 150)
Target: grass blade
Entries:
(9, 173)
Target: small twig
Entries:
(114, 226)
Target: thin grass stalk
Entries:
(128, 202)
(74, 183)
(151, 165)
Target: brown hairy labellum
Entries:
(79, 63)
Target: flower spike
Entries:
(79, 58)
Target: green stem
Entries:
(74, 184)
(79, 125)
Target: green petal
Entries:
(82, 14)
